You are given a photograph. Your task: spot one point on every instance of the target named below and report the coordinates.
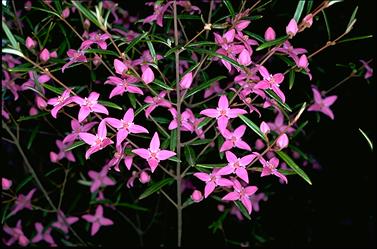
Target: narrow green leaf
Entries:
(132, 206)
(174, 159)
(132, 98)
(12, 51)
(135, 41)
(277, 99)
(110, 104)
(242, 209)
(75, 145)
(10, 36)
(298, 150)
(83, 182)
(292, 75)
(53, 89)
(183, 17)
(23, 183)
(162, 120)
(210, 166)
(355, 38)
(327, 25)
(21, 68)
(367, 138)
(173, 140)
(214, 54)
(32, 137)
(172, 50)
(299, 129)
(230, 7)
(101, 51)
(152, 50)
(162, 85)
(299, 8)
(252, 126)
(24, 118)
(87, 13)
(272, 43)
(154, 187)
(309, 6)
(190, 155)
(293, 166)
(204, 122)
(352, 18)
(255, 36)
(201, 141)
(203, 86)
(201, 43)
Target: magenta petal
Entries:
(89, 217)
(242, 173)
(165, 154)
(227, 145)
(329, 100)
(213, 113)
(95, 228)
(142, 153)
(106, 222)
(208, 189)
(100, 108)
(134, 89)
(153, 163)
(224, 182)
(232, 196)
(129, 115)
(233, 113)
(148, 76)
(118, 90)
(121, 135)
(279, 93)
(230, 157)
(250, 190)
(246, 160)
(116, 123)
(202, 176)
(119, 66)
(240, 131)
(137, 129)
(317, 96)
(247, 203)
(83, 113)
(227, 170)
(223, 102)
(88, 138)
(242, 145)
(102, 130)
(328, 112)
(222, 122)
(155, 142)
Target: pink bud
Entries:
(292, 28)
(33, 111)
(6, 183)
(27, 6)
(53, 54)
(96, 60)
(282, 141)
(303, 62)
(264, 127)
(242, 25)
(148, 75)
(45, 55)
(308, 20)
(65, 13)
(259, 144)
(144, 177)
(73, 9)
(220, 207)
(86, 24)
(41, 103)
(270, 34)
(30, 43)
(186, 81)
(244, 58)
(197, 196)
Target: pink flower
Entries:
(322, 105)
(237, 165)
(118, 156)
(74, 56)
(97, 142)
(369, 70)
(77, 128)
(278, 125)
(30, 43)
(154, 154)
(214, 88)
(144, 177)
(244, 58)
(291, 51)
(241, 193)
(270, 34)
(33, 77)
(186, 81)
(23, 201)
(17, 235)
(264, 128)
(10, 60)
(45, 55)
(100, 179)
(186, 123)
(8, 83)
(308, 20)
(234, 139)
(271, 82)
(270, 168)
(59, 102)
(188, 7)
(223, 113)
(147, 75)
(89, 104)
(123, 85)
(97, 220)
(197, 196)
(282, 141)
(62, 153)
(156, 101)
(304, 63)
(43, 234)
(255, 199)
(64, 222)
(159, 11)
(125, 126)
(212, 180)
(6, 183)
(292, 28)
(65, 13)
(95, 38)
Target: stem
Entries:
(178, 173)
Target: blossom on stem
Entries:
(55, 157)
(95, 38)
(212, 180)
(126, 84)
(322, 105)
(156, 101)
(100, 179)
(118, 156)
(186, 81)
(43, 234)
(74, 56)
(97, 220)
(282, 141)
(89, 104)
(77, 128)
(241, 193)
(304, 63)
(223, 113)
(17, 235)
(63, 222)
(237, 165)
(8, 83)
(45, 55)
(59, 102)
(271, 82)
(270, 168)
(154, 154)
(30, 43)
(234, 139)
(196, 196)
(23, 201)
(292, 28)
(270, 34)
(159, 11)
(369, 70)
(6, 183)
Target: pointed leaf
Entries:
(154, 187)
(252, 126)
(293, 166)
(242, 209)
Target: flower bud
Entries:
(186, 81)
(308, 20)
(65, 13)
(259, 144)
(292, 28)
(148, 75)
(30, 43)
(244, 58)
(27, 6)
(33, 111)
(41, 103)
(86, 24)
(270, 34)
(303, 62)
(5, 183)
(242, 25)
(282, 141)
(53, 54)
(45, 55)
(197, 196)
(264, 127)
(144, 177)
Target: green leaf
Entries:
(203, 86)
(101, 51)
(132, 98)
(355, 38)
(75, 145)
(173, 140)
(53, 89)
(255, 36)
(350, 23)
(230, 7)
(204, 122)
(201, 43)
(190, 155)
(293, 166)
(152, 50)
(367, 138)
(154, 187)
(132, 206)
(201, 141)
(162, 120)
(299, 129)
(162, 85)
(12, 51)
(271, 43)
(110, 104)
(24, 118)
(87, 13)
(273, 95)
(218, 224)
(242, 209)
(183, 17)
(214, 54)
(135, 41)
(327, 25)
(10, 36)
(21, 68)
(210, 166)
(32, 137)
(299, 8)
(252, 126)
(23, 183)
(292, 75)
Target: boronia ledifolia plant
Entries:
(187, 102)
